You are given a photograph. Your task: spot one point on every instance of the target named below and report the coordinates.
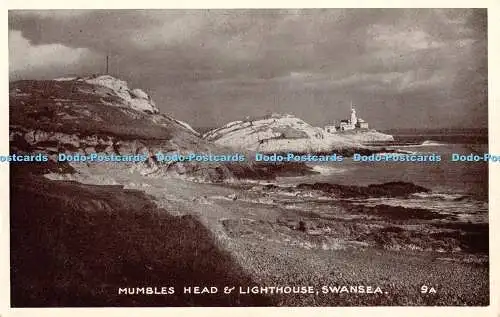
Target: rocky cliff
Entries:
(286, 133)
(366, 136)
(102, 114)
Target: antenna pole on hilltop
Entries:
(107, 64)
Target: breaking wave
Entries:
(328, 170)
(424, 143)
(440, 196)
(432, 143)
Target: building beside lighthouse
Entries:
(348, 124)
(362, 124)
(330, 128)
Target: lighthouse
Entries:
(353, 123)
(354, 119)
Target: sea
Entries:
(458, 188)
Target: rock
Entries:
(302, 226)
(139, 93)
(135, 98)
(390, 189)
(275, 133)
(280, 133)
(367, 136)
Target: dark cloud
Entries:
(402, 67)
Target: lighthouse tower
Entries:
(354, 119)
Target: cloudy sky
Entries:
(401, 67)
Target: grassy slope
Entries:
(77, 252)
(39, 105)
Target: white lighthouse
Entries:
(348, 124)
(354, 119)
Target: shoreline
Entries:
(264, 240)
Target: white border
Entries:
(494, 131)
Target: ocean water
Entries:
(446, 177)
(460, 188)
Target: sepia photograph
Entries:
(315, 157)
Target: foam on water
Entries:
(328, 170)
(433, 143)
(425, 143)
(443, 196)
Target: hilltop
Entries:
(287, 133)
(102, 114)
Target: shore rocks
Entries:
(390, 189)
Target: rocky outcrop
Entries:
(367, 136)
(136, 98)
(390, 189)
(286, 133)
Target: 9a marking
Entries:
(424, 289)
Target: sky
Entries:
(402, 68)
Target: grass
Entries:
(74, 245)
(44, 101)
